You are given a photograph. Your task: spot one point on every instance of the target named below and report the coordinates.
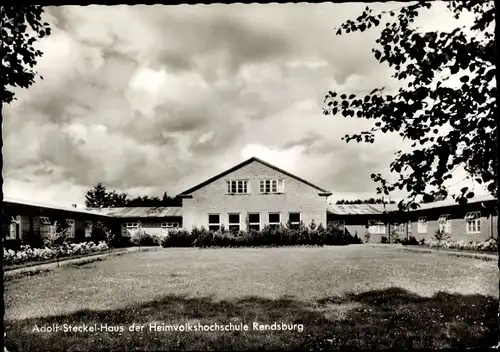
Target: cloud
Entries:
(148, 99)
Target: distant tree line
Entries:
(366, 201)
(100, 197)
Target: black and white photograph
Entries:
(259, 176)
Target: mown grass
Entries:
(353, 297)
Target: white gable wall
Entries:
(213, 198)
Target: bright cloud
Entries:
(148, 99)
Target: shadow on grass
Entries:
(381, 319)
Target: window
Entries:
(44, 220)
(294, 220)
(473, 222)
(274, 220)
(234, 222)
(376, 227)
(131, 225)
(213, 222)
(169, 224)
(13, 232)
(254, 221)
(409, 227)
(88, 228)
(70, 223)
(401, 227)
(237, 186)
(272, 186)
(422, 225)
(444, 223)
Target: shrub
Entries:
(142, 238)
(384, 239)
(395, 237)
(181, 238)
(158, 238)
(440, 237)
(367, 237)
(56, 236)
(410, 241)
(313, 234)
(102, 233)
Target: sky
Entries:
(153, 99)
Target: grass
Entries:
(354, 297)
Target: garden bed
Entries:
(54, 260)
(488, 246)
(27, 256)
(444, 249)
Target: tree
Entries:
(19, 56)
(97, 197)
(21, 27)
(440, 236)
(116, 199)
(55, 238)
(425, 63)
(100, 197)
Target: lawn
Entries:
(343, 297)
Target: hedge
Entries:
(267, 237)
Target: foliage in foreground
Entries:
(444, 100)
(281, 236)
(21, 27)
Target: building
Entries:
(30, 222)
(153, 220)
(251, 195)
(254, 193)
(368, 221)
(474, 221)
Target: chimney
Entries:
(73, 205)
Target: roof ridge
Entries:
(244, 163)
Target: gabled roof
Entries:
(50, 206)
(374, 209)
(244, 163)
(451, 202)
(360, 209)
(141, 212)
